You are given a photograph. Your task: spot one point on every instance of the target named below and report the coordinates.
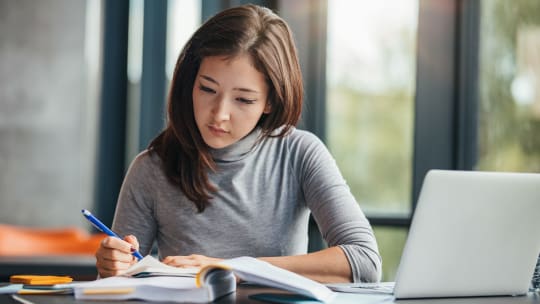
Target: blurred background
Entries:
(394, 88)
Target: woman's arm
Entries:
(341, 222)
(327, 266)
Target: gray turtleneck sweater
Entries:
(266, 191)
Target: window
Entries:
(183, 18)
(509, 84)
(179, 19)
(371, 72)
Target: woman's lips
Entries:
(217, 131)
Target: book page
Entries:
(150, 266)
(263, 273)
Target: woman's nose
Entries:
(221, 110)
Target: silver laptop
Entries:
(473, 234)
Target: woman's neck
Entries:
(238, 150)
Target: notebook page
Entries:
(150, 266)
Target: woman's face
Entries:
(229, 98)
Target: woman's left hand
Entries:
(187, 261)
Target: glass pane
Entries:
(391, 242)
(134, 73)
(48, 110)
(183, 18)
(509, 84)
(371, 69)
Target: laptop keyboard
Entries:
(380, 288)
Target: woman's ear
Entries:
(267, 108)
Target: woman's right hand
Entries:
(115, 255)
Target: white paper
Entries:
(150, 266)
(170, 289)
(118, 281)
(263, 273)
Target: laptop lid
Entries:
(473, 234)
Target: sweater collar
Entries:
(238, 150)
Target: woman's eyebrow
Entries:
(246, 90)
(209, 79)
(236, 89)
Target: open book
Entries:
(209, 283)
(151, 267)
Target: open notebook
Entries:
(151, 280)
(151, 267)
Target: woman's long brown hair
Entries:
(247, 29)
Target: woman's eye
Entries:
(206, 89)
(245, 100)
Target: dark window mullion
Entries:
(435, 106)
(391, 221)
(467, 103)
(153, 82)
(113, 108)
(308, 22)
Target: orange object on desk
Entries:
(32, 241)
(39, 279)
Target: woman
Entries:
(230, 175)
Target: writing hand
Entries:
(115, 255)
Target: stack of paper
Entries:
(160, 288)
(151, 280)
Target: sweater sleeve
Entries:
(338, 215)
(135, 211)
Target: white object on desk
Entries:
(21, 300)
(364, 288)
(150, 266)
(159, 288)
(473, 234)
(10, 288)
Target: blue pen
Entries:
(101, 227)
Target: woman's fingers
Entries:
(194, 260)
(114, 255)
(115, 249)
(108, 267)
(117, 244)
(132, 240)
(180, 261)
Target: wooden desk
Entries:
(242, 297)
(81, 268)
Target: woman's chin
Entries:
(218, 143)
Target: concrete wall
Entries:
(47, 113)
